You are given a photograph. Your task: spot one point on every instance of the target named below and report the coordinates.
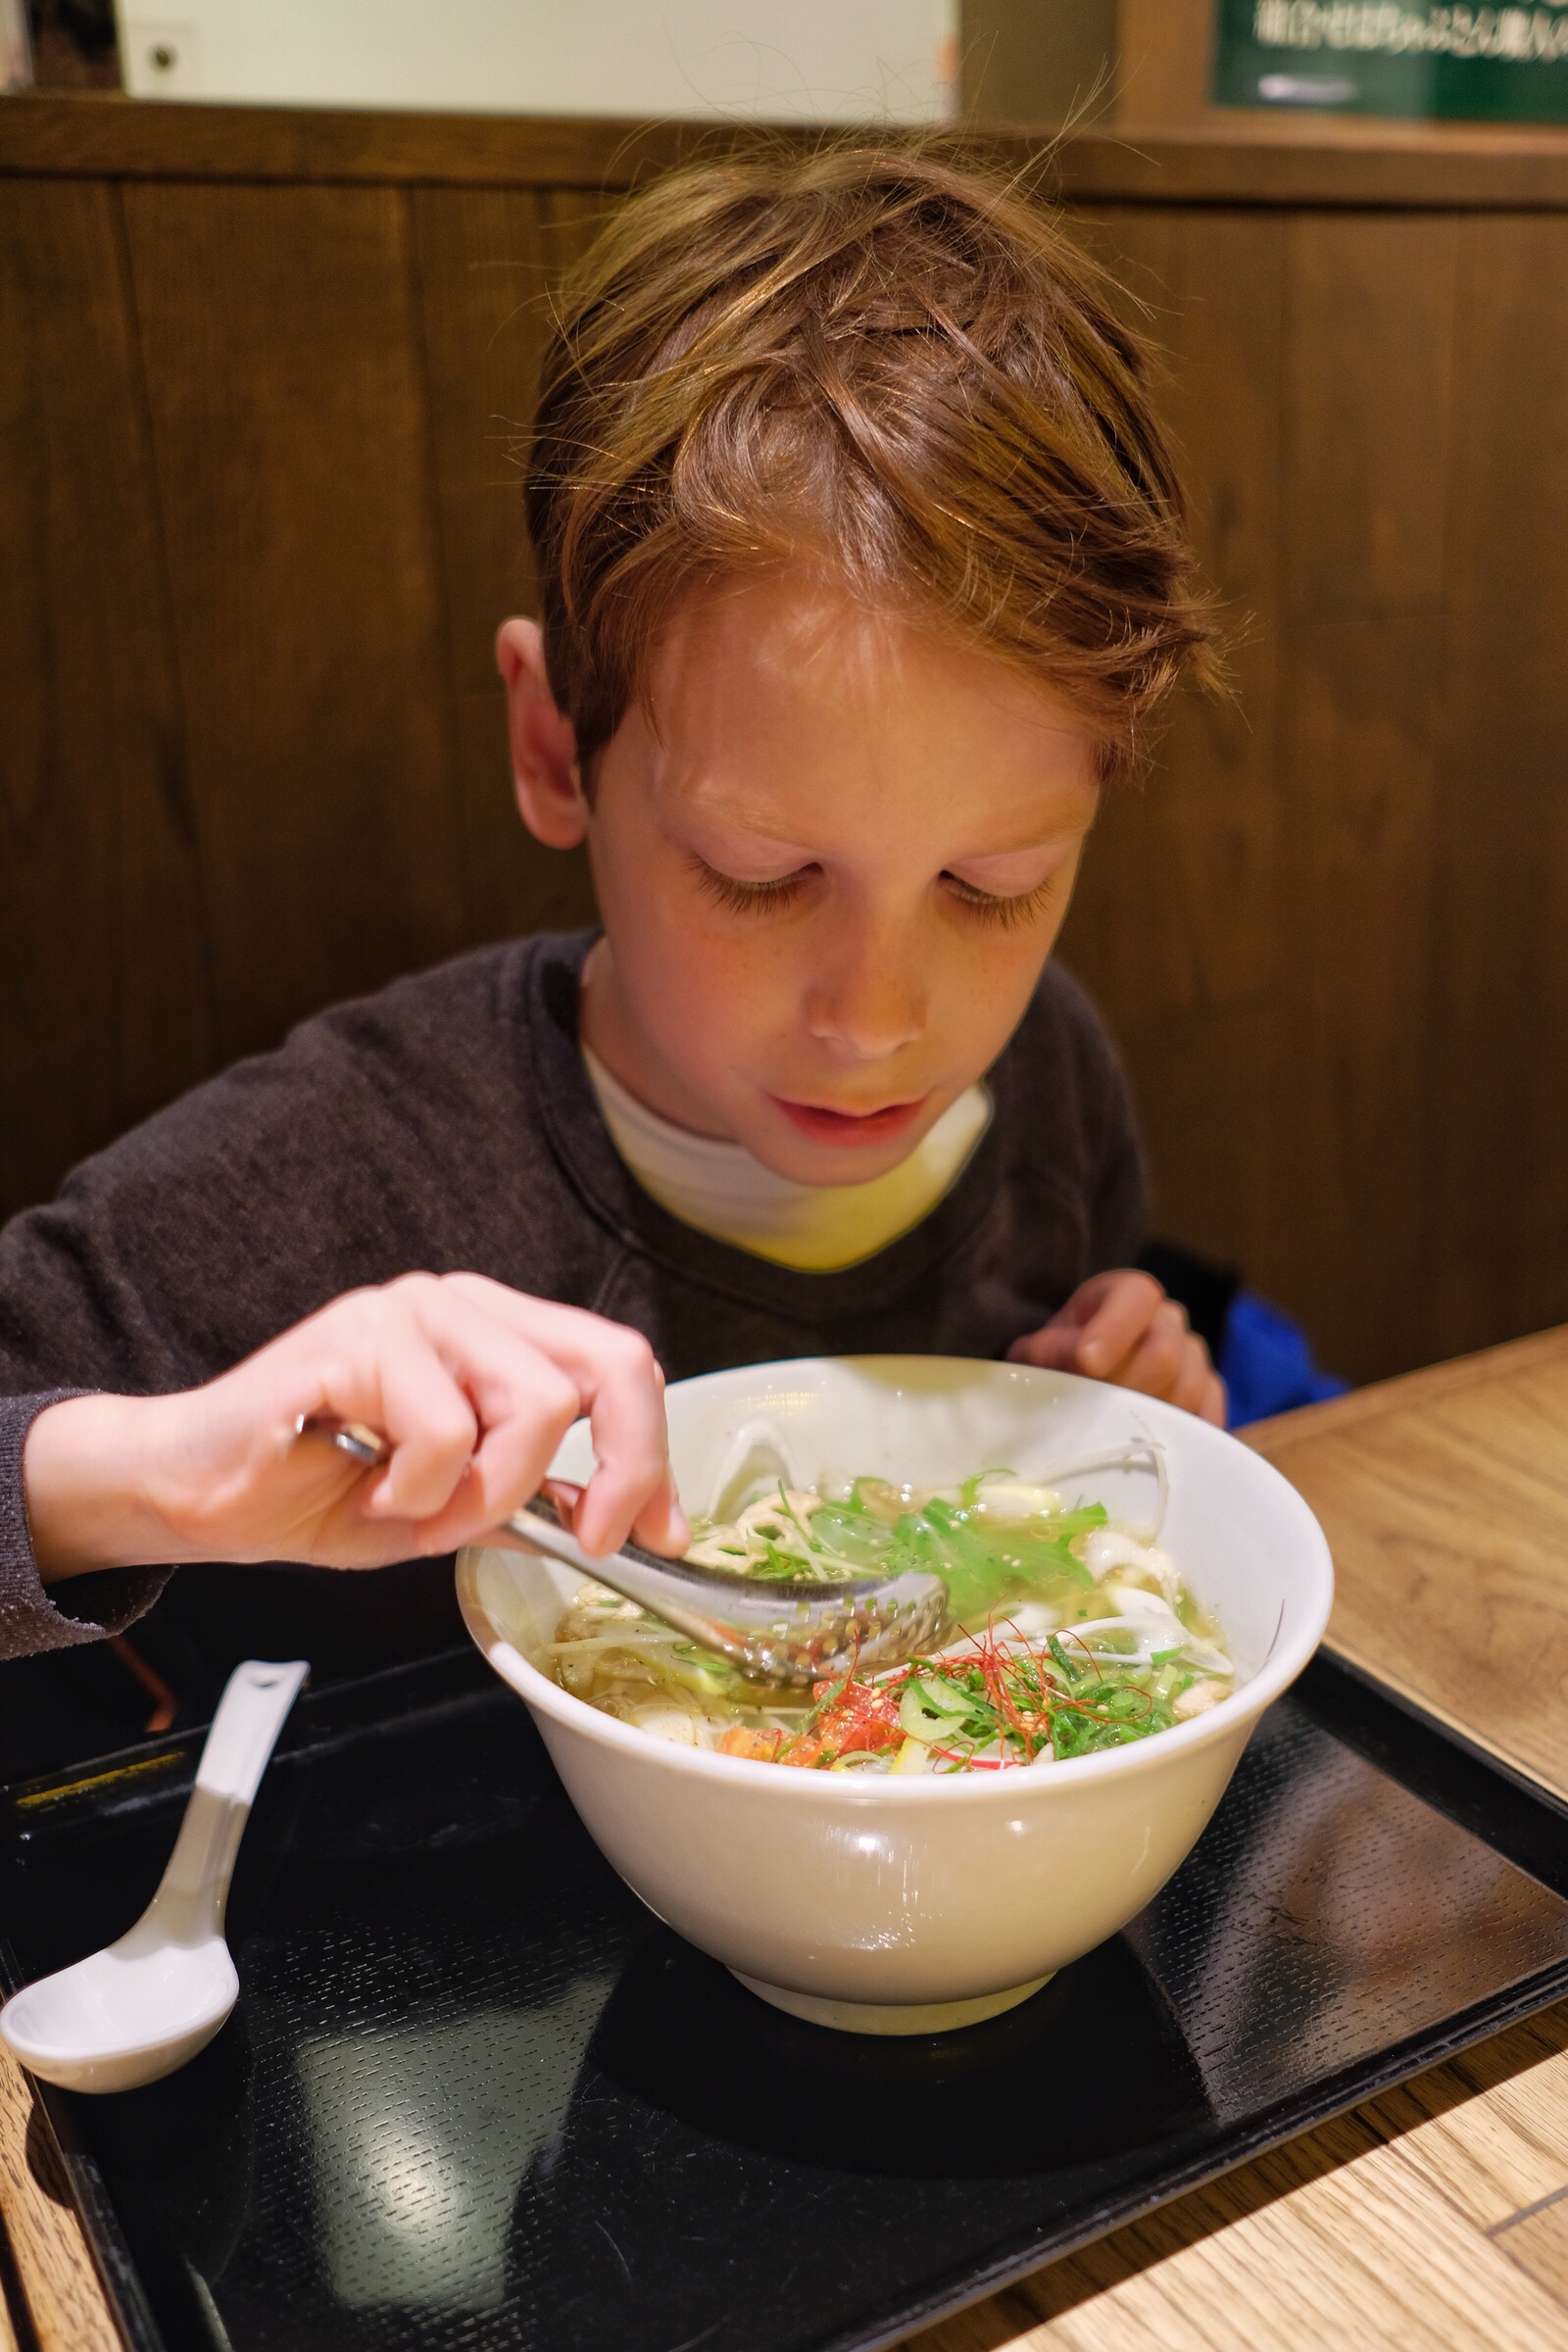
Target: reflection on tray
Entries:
(421, 2141)
(1329, 1913)
(685, 2038)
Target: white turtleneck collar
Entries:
(722, 1191)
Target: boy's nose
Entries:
(871, 1007)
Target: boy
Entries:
(863, 570)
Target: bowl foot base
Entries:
(886, 2017)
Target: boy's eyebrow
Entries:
(744, 822)
(1053, 837)
(1043, 838)
(704, 798)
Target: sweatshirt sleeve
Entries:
(162, 1261)
(229, 1217)
(85, 1608)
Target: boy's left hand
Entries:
(1122, 1328)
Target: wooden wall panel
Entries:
(1174, 927)
(1350, 1239)
(290, 439)
(1370, 312)
(1367, 414)
(1499, 1170)
(1165, 60)
(1038, 61)
(483, 287)
(103, 953)
(487, 261)
(1257, 922)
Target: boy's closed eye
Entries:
(1006, 911)
(743, 897)
(999, 897)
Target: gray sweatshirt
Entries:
(448, 1124)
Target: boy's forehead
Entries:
(782, 634)
(799, 624)
(827, 796)
(775, 678)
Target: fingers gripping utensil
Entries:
(804, 1632)
(143, 2006)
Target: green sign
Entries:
(1395, 57)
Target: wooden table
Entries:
(1434, 2217)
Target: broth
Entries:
(1068, 1633)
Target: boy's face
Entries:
(830, 869)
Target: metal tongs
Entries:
(789, 1633)
(805, 1630)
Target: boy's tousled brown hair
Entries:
(888, 364)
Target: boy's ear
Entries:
(544, 749)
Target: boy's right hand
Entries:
(474, 1386)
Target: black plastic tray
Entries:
(475, 2095)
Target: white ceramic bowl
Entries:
(913, 1904)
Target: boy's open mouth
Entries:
(863, 1128)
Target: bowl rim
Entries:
(1285, 1659)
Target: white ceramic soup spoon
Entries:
(143, 2006)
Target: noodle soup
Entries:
(1068, 1633)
